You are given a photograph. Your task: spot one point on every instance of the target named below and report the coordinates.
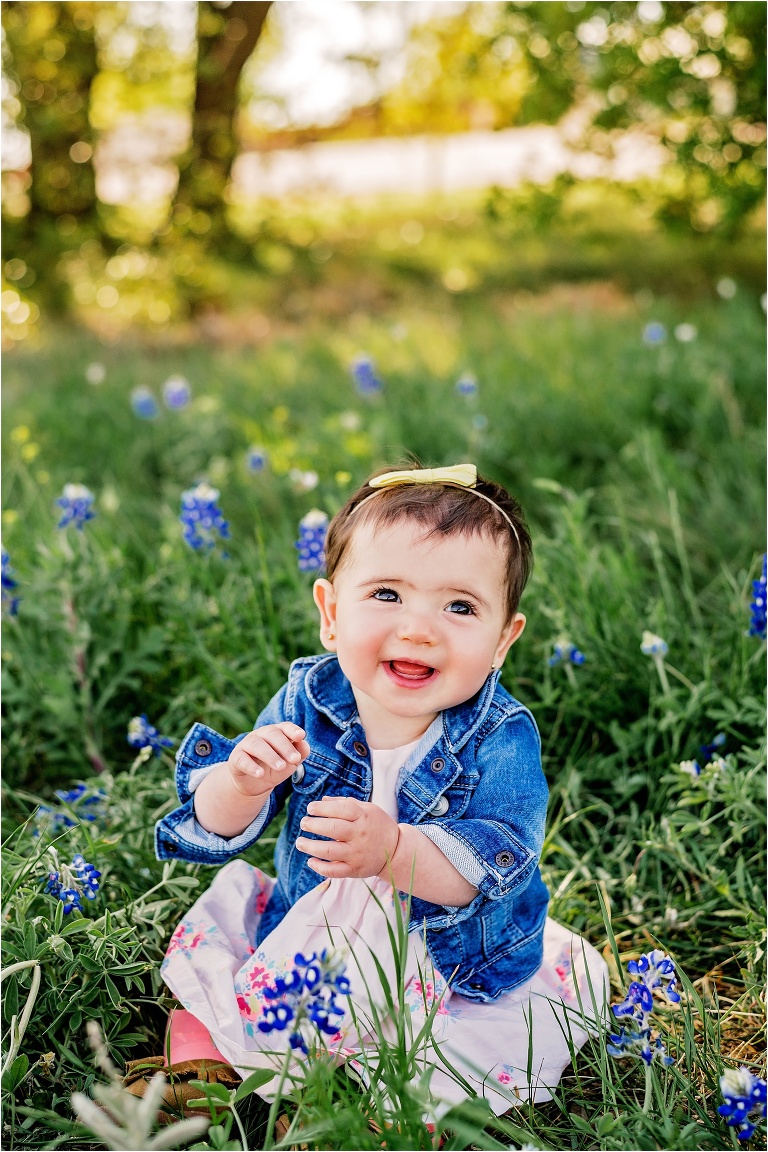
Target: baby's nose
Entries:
(418, 630)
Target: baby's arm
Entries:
(365, 841)
(235, 790)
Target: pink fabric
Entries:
(190, 1039)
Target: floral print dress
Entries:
(512, 1050)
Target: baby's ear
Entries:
(324, 595)
(512, 632)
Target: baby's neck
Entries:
(383, 729)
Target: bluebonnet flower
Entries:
(70, 882)
(176, 392)
(313, 529)
(757, 607)
(86, 803)
(653, 645)
(653, 972)
(364, 376)
(638, 1043)
(10, 602)
(564, 650)
(256, 459)
(654, 333)
(76, 503)
(202, 518)
(142, 734)
(144, 404)
(690, 767)
(707, 749)
(307, 994)
(745, 1101)
(466, 385)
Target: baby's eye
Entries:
(388, 595)
(461, 608)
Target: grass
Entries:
(640, 469)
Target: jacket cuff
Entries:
(486, 853)
(201, 749)
(180, 836)
(462, 858)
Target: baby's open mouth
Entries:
(411, 669)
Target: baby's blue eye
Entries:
(461, 608)
(387, 595)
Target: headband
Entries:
(456, 476)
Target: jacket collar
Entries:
(331, 693)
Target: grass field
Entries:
(640, 466)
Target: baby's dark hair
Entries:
(442, 510)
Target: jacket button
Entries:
(438, 764)
(203, 748)
(440, 806)
(360, 748)
(298, 775)
(171, 847)
(504, 859)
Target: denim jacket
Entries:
(473, 784)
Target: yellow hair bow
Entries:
(462, 475)
(465, 475)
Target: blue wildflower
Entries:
(86, 804)
(480, 422)
(313, 529)
(745, 1101)
(564, 650)
(690, 768)
(707, 749)
(364, 376)
(653, 645)
(653, 972)
(142, 734)
(306, 994)
(10, 602)
(636, 1042)
(202, 518)
(144, 404)
(70, 882)
(467, 385)
(256, 459)
(176, 392)
(654, 333)
(757, 623)
(76, 503)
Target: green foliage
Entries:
(639, 467)
(691, 75)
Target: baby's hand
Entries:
(362, 837)
(266, 757)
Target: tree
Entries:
(53, 63)
(691, 74)
(226, 34)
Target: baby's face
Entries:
(417, 623)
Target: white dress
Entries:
(512, 1050)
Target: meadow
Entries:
(627, 415)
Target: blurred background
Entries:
(220, 171)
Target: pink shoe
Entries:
(189, 1039)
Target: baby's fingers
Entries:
(271, 748)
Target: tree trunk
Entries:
(53, 57)
(226, 36)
